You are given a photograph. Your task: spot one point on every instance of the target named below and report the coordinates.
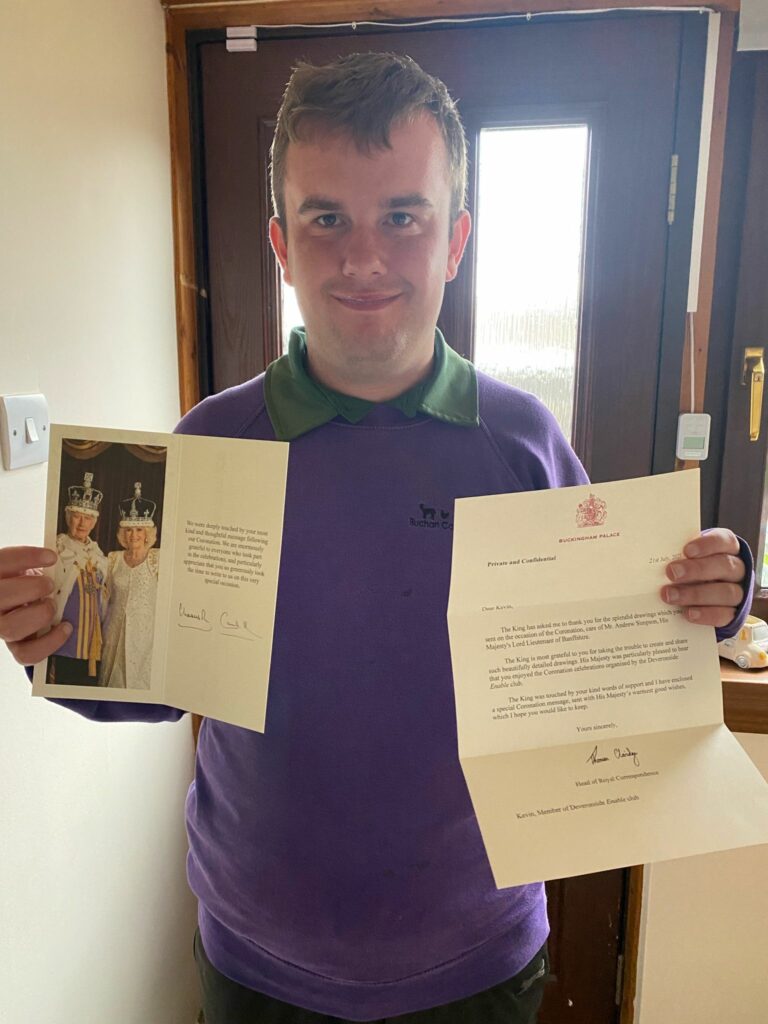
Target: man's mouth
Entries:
(367, 303)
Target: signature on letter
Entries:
(626, 752)
(189, 619)
(618, 752)
(594, 758)
(229, 625)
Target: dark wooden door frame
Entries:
(218, 14)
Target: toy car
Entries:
(749, 648)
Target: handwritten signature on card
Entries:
(229, 625)
(224, 623)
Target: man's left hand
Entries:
(706, 582)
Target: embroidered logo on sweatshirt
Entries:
(432, 518)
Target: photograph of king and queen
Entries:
(106, 577)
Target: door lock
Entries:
(753, 375)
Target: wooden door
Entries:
(743, 502)
(623, 77)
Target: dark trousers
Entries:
(515, 1001)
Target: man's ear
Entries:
(459, 235)
(279, 245)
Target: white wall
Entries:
(95, 918)
(704, 935)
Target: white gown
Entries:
(126, 659)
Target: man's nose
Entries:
(363, 254)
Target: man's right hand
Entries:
(26, 605)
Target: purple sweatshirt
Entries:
(337, 858)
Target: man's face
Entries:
(369, 249)
(80, 525)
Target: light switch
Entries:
(24, 430)
(31, 430)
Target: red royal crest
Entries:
(592, 512)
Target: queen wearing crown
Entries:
(133, 573)
(79, 579)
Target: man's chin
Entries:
(367, 354)
(372, 343)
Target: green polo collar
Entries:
(296, 403)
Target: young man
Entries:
(336, 858)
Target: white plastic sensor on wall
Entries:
(693, 436)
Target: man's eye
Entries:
(327, 220)
(401, 220)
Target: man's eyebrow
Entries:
(320, 203)
(413, 199)
(328, 205)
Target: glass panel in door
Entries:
(530, 229)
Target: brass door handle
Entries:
(753, 374)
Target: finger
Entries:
(16, 561)
(729, 568)
(35, 649)
(709, 616)
(23, 622)
(711, 543)
(711, 594)
(19, 590)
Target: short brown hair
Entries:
(363, 95)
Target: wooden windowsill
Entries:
(745, 697)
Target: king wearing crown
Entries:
(80, 578)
